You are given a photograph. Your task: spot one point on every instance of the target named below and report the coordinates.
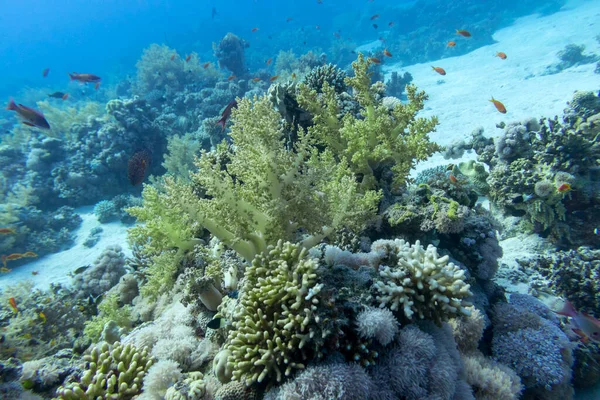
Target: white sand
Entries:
(55, 267)
(461, 101)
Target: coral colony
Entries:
(281, 248)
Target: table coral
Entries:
(421, 284)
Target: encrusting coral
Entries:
(112, 372)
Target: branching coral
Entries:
(421, 284)
(276, 324)
(397, 138)
(112, 372)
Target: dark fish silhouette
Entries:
(137, 166)
(213, 13)
(227, 113)
(57, 95)
(30, 116)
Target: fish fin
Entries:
(11, 105)
(222, 123)
(567, 310)
(28, 123)
(72, 76)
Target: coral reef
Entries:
(230, 53)
(572, 55)
(397, 84)
(531, 163)
(105, 273)
(335, 78)
(572, 274)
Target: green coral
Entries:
(64, 118)
(112, 372)
(477, 175)
(181, 152)
(394, 137)
(276, 322)
(108, 310)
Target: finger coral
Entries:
(276, 325)
(112, 372)
(421, 284)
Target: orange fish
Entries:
(293, 75)
(84, 78)
(374, 17)
(273, 78)
(499, 106)
(501, 54)
(254, 30)
(13, 304)
(206, 65)
(439, 70)
(172, 57)
(7, 231)
(231, 77)
(374, 60)
(451, 44)
(565, 187)
(97, 85)
(386, 53)
(585, 325)
(269, 61)
(188, 58)
(14, 256)
(453, 178)
(29, 254)
(35, 272)
(256, 79)
(45, 72)
(65, 96)
(30, 116)
(462, 32)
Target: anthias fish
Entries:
(84, 78)
(462, 32)
(501, 55)
(45, 72)
(586, 326)
(30, 116)
(451, 44)
(226, 113)
(439, 70)
(137, 166)
(499, 106)
(7, 231)
(57, 95)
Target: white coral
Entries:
(377, 323)
(421, 282)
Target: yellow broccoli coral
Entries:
(396, 138)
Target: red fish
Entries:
(499, 106)
(65, 96)
(97, 85)
(206, 65)
(256, 79)
(231, 77)
(586, 326)
(30, 116)
(501, 54)
(13, 304)
(188, 58)
(172, 57)
(374, 60)
(386, 53)
(273, 78)
(375, 26)
(374, 17)
(565, 187)
(45, 72)
(7, 231)
(269, 61)
(439, 70)
(84, 78)
(451, 44)
(462, 32)
(137, 166)
(391, 24)
(453, 178)
(227, 113)
(254, 30)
